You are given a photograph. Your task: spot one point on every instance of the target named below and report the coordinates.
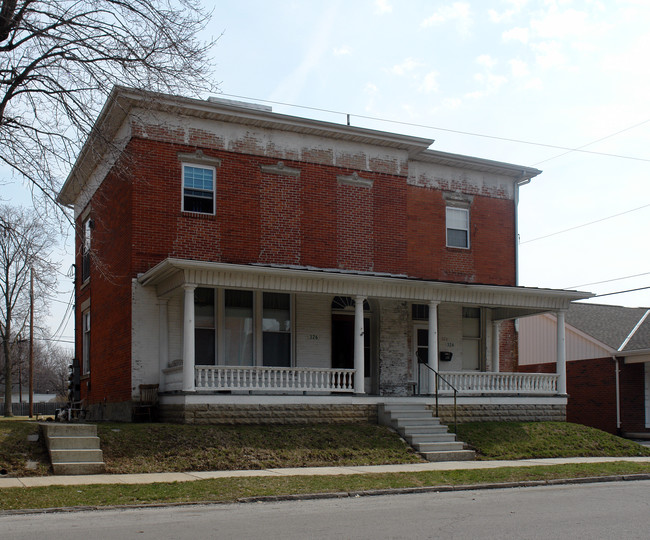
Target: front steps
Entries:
(74, 448)
(423, 431)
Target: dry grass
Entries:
(139, 448)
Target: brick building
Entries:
(608, 364)
(241, 258)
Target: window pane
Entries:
(204, 307)
(277, 313)
(204, 346)
(277, 349)
(239, 328)
(456, 238)
(198, 189)
(457, 218)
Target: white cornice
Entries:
(169, 275)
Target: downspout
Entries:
(618, 395)
(518, 184)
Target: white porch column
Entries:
(561, 353)
(163, 340)
(432, 358)
(496, 325)
(188, 339)
(359, 374)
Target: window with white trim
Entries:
(198, 189)
(85, 345)
(86, 228)
(457, 227)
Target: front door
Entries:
(421, 356)
(343, 345)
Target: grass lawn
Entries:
(137, 448)
(529, 440)
(140, 448)
(233, 489)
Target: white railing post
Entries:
(561, 354)
(359, 364)
(495, 346)
(432, 357)
(163, 341)
(188, 339)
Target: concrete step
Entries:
(62, 443)
(73, 448)
(423, 429)
(438, 446)
(428, 437)
(79, 468)
(414, 419)
(453, 455)
(51, 429)
(76, 455)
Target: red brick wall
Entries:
(109, 290)
(491, 257)
(508, 349)
(591, 385)
(313, 220)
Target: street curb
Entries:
(343, 494)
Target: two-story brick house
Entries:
(247, 260)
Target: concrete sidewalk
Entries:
(151, 478)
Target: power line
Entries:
(607, 280)
(620, 292)
(456, 131)
(584, 224)
(592, 142)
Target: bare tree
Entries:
(25, 247)
(60, 58)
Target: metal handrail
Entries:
(438, 376)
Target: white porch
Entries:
(278, 380)
(388, 363)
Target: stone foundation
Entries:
(268, 414)
(502, 413)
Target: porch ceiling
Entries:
(170, 275)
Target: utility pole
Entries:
(31, 342)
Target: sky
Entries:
(520, 81)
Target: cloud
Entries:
(516, 34)
(571, 23)
(372, 91)
(549, 54)
(429, 82)
(519, 68)
(292, 85)
(405, 67)
(487, 61)
(459, 12)
(341, 51)
(508, 14)
(382, 7)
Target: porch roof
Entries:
(169, 276)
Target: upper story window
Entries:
(198, 189)
(457, 227)
(85, 345)
(86, 228)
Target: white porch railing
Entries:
(274, 379)
(475, 382)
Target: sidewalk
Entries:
(37, 481)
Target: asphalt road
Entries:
(619, 510)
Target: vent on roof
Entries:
(233, 103)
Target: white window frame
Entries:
(447, 227)
(214, 187)
(85, 342)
